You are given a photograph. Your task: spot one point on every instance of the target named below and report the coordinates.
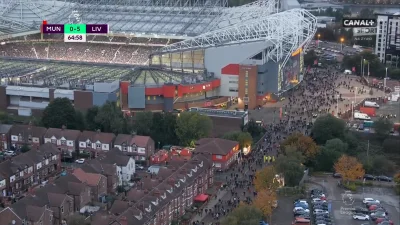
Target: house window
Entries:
(98, 145)
(63, 142)
(54, 141)
(41, 222)
(218, 156)
(51, 217)
(30, 138)
(62, 209)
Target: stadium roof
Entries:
(39, 73)
(173, 18)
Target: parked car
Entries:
(304, 206)
(323, 207)
(80, 161)
(296, 209)
(337, 175)
(370, 200)
(314, 200)
(360, 216)
(384, 178)
(369, 177)
(380, 220)
(320, 211)
(386, 223)
(10, 153)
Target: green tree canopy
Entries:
(325, 159)
(327, 127)
(290, 165)
(243, 215)
(244, 138)
(163, 129)
(191, 126)
(111, 119)
(60, 112)
(382, 127)
(144, 123)
(336, 145)
(90, 118)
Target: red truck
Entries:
(369, 111)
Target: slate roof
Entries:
(28, 211)
(217, 146)
(59, 133)
(140, 141)
(92, 179)
(26, 130)
(115, 156)
(5, 128)
(94, 136)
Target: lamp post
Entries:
(363, 69)
(384, 80)
(318, 35)
(341, 44)
(352, 110)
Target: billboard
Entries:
(290, 73)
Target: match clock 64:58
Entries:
(74, 37)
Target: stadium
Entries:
(158, 55)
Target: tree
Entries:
(336, 145)
(397, 181)
(25, 148)
(244, 138)
(60, 112)
(366, 13)
(265, 202)
(80, 123)
(327, 127)
(163, 129)
(77, 220)
(191, 126)
(325, 159)
(111, 119)
(290, 165)
(244, 214)
(391, 145)
(90, 118)
(349, 168)
(266, 179)
(144, 123)
(254, 129)
(302, 143)
(382, 127)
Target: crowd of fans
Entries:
(99, 53)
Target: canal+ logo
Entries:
(356, 22)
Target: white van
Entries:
(361, 116)
(347, 72)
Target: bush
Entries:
(350, 186)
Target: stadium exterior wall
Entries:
(217, 58)
(267, 79)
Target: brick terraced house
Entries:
(95, 142)
(159, 200)
(30, 169)
(140, 147)
(27, 135)
(66, 140)
(5, 137)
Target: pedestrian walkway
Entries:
(209, 205)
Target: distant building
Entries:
(388, 37)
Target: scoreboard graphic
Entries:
(74, 32)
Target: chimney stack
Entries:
(63, 127)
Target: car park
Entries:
(360, 216)
(297, 209)
(315, 200)
(380, 220)
(304, 206)
(362, 210)
(320, 211)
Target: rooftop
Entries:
(219, 112)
